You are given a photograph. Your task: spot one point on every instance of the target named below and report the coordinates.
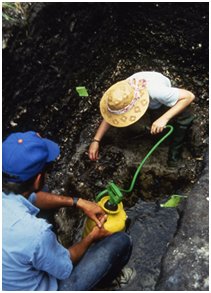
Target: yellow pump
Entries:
(112, 205)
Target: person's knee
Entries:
(122, 240)
(125, 237)
(121, 248)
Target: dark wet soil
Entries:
(65, 45)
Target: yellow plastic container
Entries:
(115, 219)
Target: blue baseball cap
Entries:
(25, 154)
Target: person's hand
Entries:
(94, 151)
(99, 233)
(158, 125)
(93, 211)
(77, 250)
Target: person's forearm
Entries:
(175, 110)
(104, 126)
(46, 200)
(78, 250)
(182, 103)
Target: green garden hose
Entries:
(114, 191)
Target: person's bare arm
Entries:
(94, 147)
(46, 200)
(185, 98)
(78, 250)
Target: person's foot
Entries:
(172, 163)
(173, 158)
(125, 277)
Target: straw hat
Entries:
(125, 102)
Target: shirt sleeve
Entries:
(51, 257)
(167, 96)
(32, 197)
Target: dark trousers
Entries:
(102, 262)
(181, 124)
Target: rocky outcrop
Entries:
(186, 264)
(152, 229)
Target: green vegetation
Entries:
(14, 12)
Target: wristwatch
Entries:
(75, 200)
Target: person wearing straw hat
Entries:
(125, 102)
(32, 257)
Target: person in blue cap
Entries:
(32, 258)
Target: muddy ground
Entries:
(65, 45)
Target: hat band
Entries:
(125, 109)
(137, 96)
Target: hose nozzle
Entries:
(114, 193)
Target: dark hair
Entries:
(24, 186)
(16, 187)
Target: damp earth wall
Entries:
(60, 46)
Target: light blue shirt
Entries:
(159, 88)
(32, 258)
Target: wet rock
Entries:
(188, 255)
(68, 223)
(152, 229)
